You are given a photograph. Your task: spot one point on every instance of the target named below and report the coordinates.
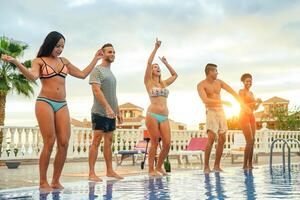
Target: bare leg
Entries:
(108, 156)
(166, 142)
(93, 154)
(62, 125)
(250, 165)
(152, 126)
(45, 117)
(152, 155)
(219, 151)
(210, 142)
(249, 144)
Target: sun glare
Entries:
(232, 111)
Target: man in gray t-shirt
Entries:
(104, 78)
(105, 110)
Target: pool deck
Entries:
(27, 174)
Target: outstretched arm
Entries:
(150, 60)
(236, 96)
(82, 74)
(31, 74)
(206, 100)
(173, 73)
(230, 91)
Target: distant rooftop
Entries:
(276, 100)
(130, 106)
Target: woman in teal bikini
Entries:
(51, 107)
(157, 114)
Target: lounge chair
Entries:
(139, 150)
(196, 147)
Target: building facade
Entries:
(132, 119)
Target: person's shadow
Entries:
(108, 194)
(219, 186)
(156, 188)
(55, 195)
(208, 187)
(249, 185)
(218, 189)
(92, 186)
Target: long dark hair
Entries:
(49, 43)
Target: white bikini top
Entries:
(159, 92)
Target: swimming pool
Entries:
(189, 184)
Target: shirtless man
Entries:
(209, 91)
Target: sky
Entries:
(257, 37)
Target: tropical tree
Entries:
(287, 120)
(10, 79)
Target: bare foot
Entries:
(57, 186)
(206, 170)
(45, 187)
(154, 174)
(162, 172)
(94, 178)
(114, 175)
(218, 169)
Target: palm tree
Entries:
(10, 79)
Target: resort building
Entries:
(270, 105)
(132, 119)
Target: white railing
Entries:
(26, 142)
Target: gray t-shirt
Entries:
(108, 84)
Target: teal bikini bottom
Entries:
(56, 105)
(159, 118)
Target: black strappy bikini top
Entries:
(48, 72)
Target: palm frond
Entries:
(27, 63)
(11, 79)
(4, 42)
(12, 47)
(4, 81)
(21, 85)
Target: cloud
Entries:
(75, 3)
(260, 37)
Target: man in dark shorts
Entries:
(105, 110)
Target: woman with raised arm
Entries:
(51, 107)
(247, 119)
(157, 114)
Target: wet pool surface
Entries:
(190, 184)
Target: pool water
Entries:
(262, 183)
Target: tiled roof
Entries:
(85, 123)
(130, 105)
(276, 100)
